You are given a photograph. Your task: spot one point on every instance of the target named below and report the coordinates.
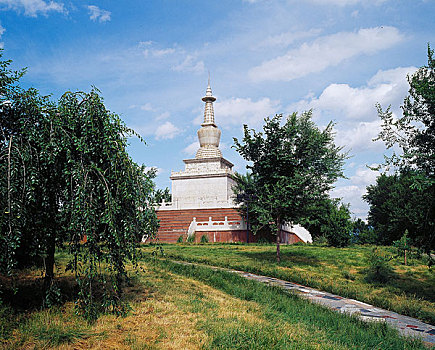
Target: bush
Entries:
(403, 246)
(204, 239)
(180, 239)
(379, 270)
(320, 240)
(190, 239)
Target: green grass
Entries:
(189, 307)
(311, 326)
(410, 289)
(47, 328)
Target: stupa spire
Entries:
(208, 111)
(209, 135)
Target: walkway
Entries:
(406, 325)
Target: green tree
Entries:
(363, 233)
(414, 134)
(68, 176)
(403, 246)
(162, 195)
(338, 226)
(293, 165)
(396, 206)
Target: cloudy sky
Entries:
(150, 59)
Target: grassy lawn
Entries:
(409, 291)
(188, 307)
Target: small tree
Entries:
(292, 165)
(403, 246)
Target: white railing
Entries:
(211, 225)
(198, 204)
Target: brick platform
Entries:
(175, 223)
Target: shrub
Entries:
(180, 239)
(348, 275)
(190, 239)
(320, 240)
(204, 239)
(379, 269)
(403, 246)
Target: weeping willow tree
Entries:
(68, 181)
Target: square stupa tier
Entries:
(205, 183)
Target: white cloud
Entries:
(32, 8)
(155, 168)
(342, 101)
(97, 14)
(365, 176)
(191, 149)
(347, 2)
(285, 39)
(146, 107)
(166, 131)
(354, 108)
(238, 111)
(164, 115)
(163, 52)
(156, 52)
(332, 2)
(359, 138)
(386, 87)
(353, 192)
(324, 52)
(190, 64)
(2, 30)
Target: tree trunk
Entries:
(405, 257)
(278, 239)
(49, 262)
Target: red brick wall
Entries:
(175, 223)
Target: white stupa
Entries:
(207, 179)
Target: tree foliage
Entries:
(414, 131)
(292, 165)
(338, 226)
(68, 177)
(396, 206)
(414, 134)
(162, 196)
(362, 233)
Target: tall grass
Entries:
(186, 307)
(48, 328)
(408, 290)
(325, 328)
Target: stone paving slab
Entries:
(405, 325)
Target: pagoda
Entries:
(203, 197)
(202, 194)
(207, 179)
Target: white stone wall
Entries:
(202, 192)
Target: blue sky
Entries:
(150, 59)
